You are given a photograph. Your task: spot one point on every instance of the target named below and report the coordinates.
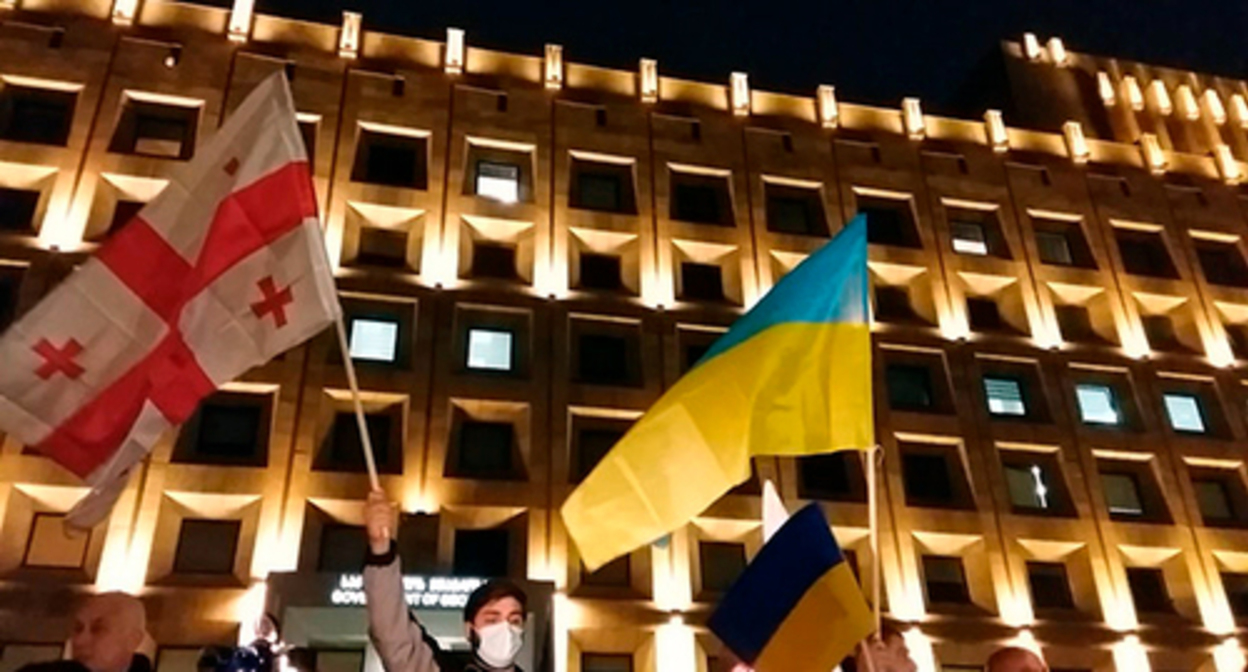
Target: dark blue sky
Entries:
(874, 51)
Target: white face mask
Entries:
(499, 643)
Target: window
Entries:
(1214, 501)
(499, 181)
(343, 548)
(1222, 263)
(701, 282)
(606, 662)
(1054, 248)
(206, 546)
(16, 656)
(604, 187)
(1061, 243)
(1159, 329)
(721, 562)
(985, 315)
(39, 116)
(1098, 404)
(1075, 323)
(123, 212)
(391, 160)
(10, 286)
(701, 199)
(1034, 483)
(614, 574)
(17, 210)
(335, 660)
(485, 450)
(482, 553)
(1184, 412)
(592, 444)
(1148, 590)
(489, 350)
(48, 546)
(1236, 587)
(945, 580)
(156, 130)
(693, 353)
(308, 129)
(969, 238)
(834, 476)
(933, 476)
(1050, 587)
(600, 272)
(492, 260)
(374, 340)
(382, 247)
(1028, 488)
(795, 210)
(345, 452)
(1122, 494)
(909, 387)
(1005, 397)
(890, 221)
(892, 305)
(1144, 253)
(977, 232)
(230, 428)
(607, 359)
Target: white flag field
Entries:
(221, 272)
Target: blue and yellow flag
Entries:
(797, 607)
(791, 377)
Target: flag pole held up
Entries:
(366, 441)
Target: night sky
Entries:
(873, 51)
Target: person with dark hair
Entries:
(887, 651)
(493, 617)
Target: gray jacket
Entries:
(400, 640)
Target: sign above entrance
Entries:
(435, 592)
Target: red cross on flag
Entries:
(222, 271)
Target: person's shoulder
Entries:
(54, 666)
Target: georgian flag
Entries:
(221, 272)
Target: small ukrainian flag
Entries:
(797, 607)
(791, 377)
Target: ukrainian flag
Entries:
(797, 607)
(791, 377)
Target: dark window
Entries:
(795, 210)
(889, 221)
(969, 238)
(1222, 263)
(1144, 254)
(344, 450)
(892, 305)
(342, 547)
(985, 315)
(604, 187)
(1035, 484)
(1027, 487)
(1214, 501)
(492, 260)
(1054, 248)
(701, 199)
(206, 546)
(123, 212)
(1148, 590)
(592, 444)
(1131, 492)
(1050, 588)
(482, 553)
(155, 130)
(1122, 494)
(391, 160)
(603, 359)
(308, 131)
(701, 282)
(1061, 243)
(600, 272)
(486, 450)
(694, 352)
(1236, 587)
(40, 116)
(385, 248)
(722, 563)
(1159, 329)
(928, 479)
(977, 232)
(1238, 334)
(945, 580)
(10, 286)
(1075, 324)
(614, 574)
(17, 210)
(909, 387)
(834, 476)
(230, 428)
(606, 662)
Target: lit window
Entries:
(1097, 405)
(374, 340)
(1005, 396)
(968, 238)
(1122, 494)
(489, 350)
(499, 181)
(1184, 412)
(1027, 487)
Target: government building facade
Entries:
(530, 250)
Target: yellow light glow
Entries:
(560, 625)
(1076, 144)
(912, 118)
(1154, 157)
(1057, 51)
(1227, 657)
(994, 125)
(1240, 108)
(1105, 87)
(123, 11)
(249, 610)
(1228, 167)
(920, 650)
(675, 648)
(1214, 106)
(349, 39)
(649, 71)
(740, 94)
(240, 20)
(829, 113)
(1135, 95)
(1187, 102)
(1129, 654)
(554, 67)
(1161, 97)
(1031, 46)
(454, 63)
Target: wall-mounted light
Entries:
(1105, 87)
(1187, 102)
(994, 126)
(349, 38)
(1076, 144)
(240, 20)
(454, 61)
(912, 118)
(825, 100)
(1214, 106)
(648, 69)
(173, 57)
(1239, 108)
(554, 67)
(123, 10)
(1228, 167)
(1057, 51)
(739, 94)
(1031, 46)
(1161, 97)
(1154, 157)
(1135, 95)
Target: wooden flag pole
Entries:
(365, 440)
(873, 516)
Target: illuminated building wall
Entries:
(530, 250)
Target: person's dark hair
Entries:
(492, 591)
(889, 630)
